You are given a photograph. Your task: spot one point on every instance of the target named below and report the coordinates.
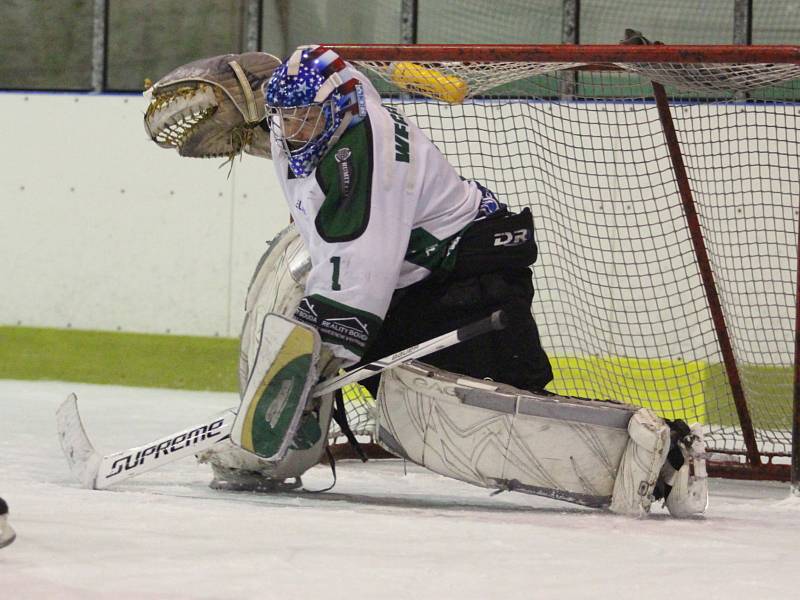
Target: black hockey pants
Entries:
(432, 307)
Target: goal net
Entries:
(666, 215)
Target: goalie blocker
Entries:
(594, 453)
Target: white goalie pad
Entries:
(498, 436)
(277, 286)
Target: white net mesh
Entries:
(715, 77)
(620, 301)
(455, 81)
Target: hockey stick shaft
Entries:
(96, 472)
(494, 322)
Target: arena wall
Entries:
(100, 229)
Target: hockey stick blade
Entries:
(99, 472)
(83, 460)
(135, 461)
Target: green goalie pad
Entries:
(270, 416)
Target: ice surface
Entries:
(387, 530)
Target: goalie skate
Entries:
(689, 494)
(241, 480)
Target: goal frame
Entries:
(757, 465)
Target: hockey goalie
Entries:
(389, 247)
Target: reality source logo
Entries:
(352, 327)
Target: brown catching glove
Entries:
(213, 107)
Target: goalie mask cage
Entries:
(665, 187)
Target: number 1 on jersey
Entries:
(336, 261)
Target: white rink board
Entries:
(101, 229)
(381, 533)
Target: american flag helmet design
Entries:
(314, 75)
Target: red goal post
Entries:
(665, 186)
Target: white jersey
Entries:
(382, 210)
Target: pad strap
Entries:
(340, 416)
(252, 111)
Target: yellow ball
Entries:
(428, 82)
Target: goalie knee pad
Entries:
(641, 464)
(277, 286)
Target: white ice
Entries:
(387, 530)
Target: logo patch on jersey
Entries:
(402, 152)
(337, 323)
(349, 327)
(343, 158)
(511, 238)
(306, 311)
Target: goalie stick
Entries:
(98, 472)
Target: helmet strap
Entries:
(346, 120)
(293, 64)
(326, 89)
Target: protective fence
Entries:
(116, 44)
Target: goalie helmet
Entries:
(311, 102)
